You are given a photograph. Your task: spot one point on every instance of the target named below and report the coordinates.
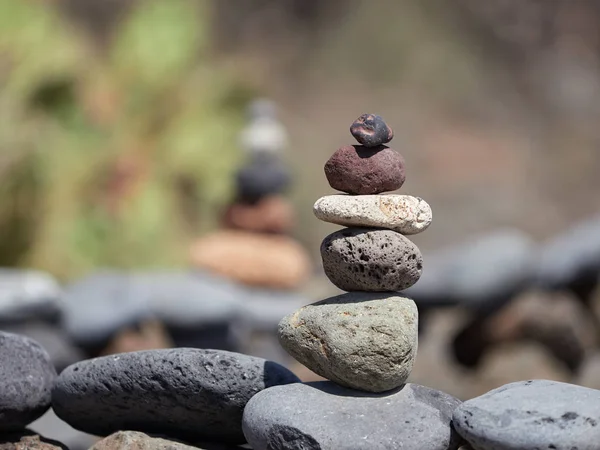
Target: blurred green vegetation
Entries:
(112, 156)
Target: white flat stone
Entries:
(402, 213)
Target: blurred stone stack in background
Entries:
(254, 246)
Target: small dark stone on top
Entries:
(371, 130)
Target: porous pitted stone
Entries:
(529, 415)
(184, 393)
(361, 340)
(359, 170)
(368, 259)
(27, 376)
(371, 130)
(402, 213)
(326, 416)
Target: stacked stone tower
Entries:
(365, 339)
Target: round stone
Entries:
(367, 259)
(371, 130)
(359, 170)
(530, 415)
(325, 416)
(184, 393)
(26, 440)
(262, 176)
(271, 214)
(27, 376)
(402, 213)
(361, 340)
(270, 261)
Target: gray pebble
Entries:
(27, 377)
(188, 394)
(571, 255)
(361, 340)
(99, 305)
(369, 259)
(28, 295)
(481, 273)
(531, 415)
(326, 416)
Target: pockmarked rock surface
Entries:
(368, 259)
(359, 170)
(187, 394)
(325, 416)
(529, 415)
(402, 213)
(371, 130)
(26, 440)
(277, 262)
(27, 376)
(361, 340)
(134, 440)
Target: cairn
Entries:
(365, 339)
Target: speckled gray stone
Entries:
(531, 415)
(361, 340)
(402, 213)
(27, 375)
(326, 416)
(370, 259)
(188, 394)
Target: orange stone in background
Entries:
(273, 214)
(270, 261)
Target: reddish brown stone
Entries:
(272, 214)
(371, 130)
(360, 170)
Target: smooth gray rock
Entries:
(183, 299)
(28, 294)
(326, 416)
(531, 415)
(372, 260)
(571, 255)
(481, 273)
(27, 376)
(99, 305)
(187, 394)
(360, 340)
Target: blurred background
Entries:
(141, 176)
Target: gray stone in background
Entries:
(50, 426)
(361, 340)
(481, 273)
(255, 327)
(571, 255)
(27, 376)
(99, 305)
(530, 415)
(28, 294)
(54, 340)
(326, 416)
(184, 299)
(187, 394)
(370, 259)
